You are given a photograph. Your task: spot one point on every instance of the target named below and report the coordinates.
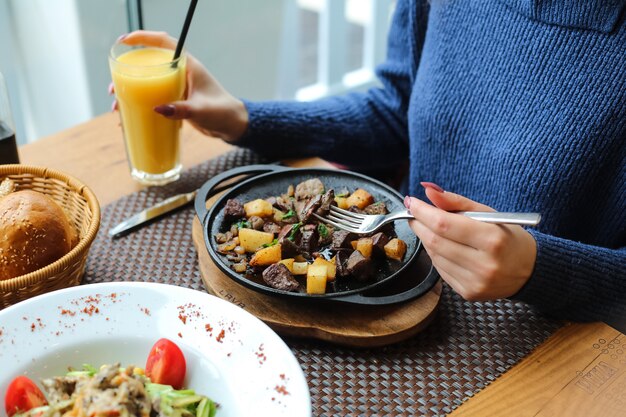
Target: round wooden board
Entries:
(345, 324)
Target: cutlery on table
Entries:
(152, 213)
(368, 223)
(161, 209)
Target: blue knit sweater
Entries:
(517, 104)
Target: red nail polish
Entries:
(432, 186)
(165, 110)
(407, 202)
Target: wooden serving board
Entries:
(350, 325)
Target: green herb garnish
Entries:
(243, 224)
(294, 230)
(272, 243)
(289, 214)
(322, 230)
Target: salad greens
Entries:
(163, 399)
(178, 403)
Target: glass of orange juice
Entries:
(145, 77)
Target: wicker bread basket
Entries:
(83, 211)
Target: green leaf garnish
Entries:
(272, 243)
(243, 224)
(294, 230)
(289, 214)
(322, 230)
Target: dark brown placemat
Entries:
(467, 346)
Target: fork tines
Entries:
(352, 214)
(336, 224)
(343, 219)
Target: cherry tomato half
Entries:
(166, 364)
(22, 395)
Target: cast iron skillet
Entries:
(262, 181)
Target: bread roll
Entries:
(34, 232)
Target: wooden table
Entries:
(578, 371)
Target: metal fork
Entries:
(368, 223)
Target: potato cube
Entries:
(354, 243)
(266, 256)
(251, 239)
(395, 249)
(365, 246)
(331, 269)
(259, 208)
(288, 263)
(300, 268)
(342, 202)
(360, 198)
(316, 279)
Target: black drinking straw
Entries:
(183, 33)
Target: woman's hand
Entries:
(207, 105)
(480, 261)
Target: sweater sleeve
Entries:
(350, 129)
(577, 281)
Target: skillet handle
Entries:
(210, 188)
(420, 289)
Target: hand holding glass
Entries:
(145, 77)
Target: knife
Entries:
(165, 207)
(152, 213)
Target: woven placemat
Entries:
(467, 346)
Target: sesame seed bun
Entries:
(34, 232)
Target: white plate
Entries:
(232, 357)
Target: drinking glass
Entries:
(145, 77)
(8, 145)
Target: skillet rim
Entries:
(231, 192)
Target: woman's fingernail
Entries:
(122, 37)
(114, 105)
(165, 110)
(111, 88)
(432, 186)
(407, 202)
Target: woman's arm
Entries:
(576, 281)
(361, 129)
(560, 277)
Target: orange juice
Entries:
(145, 78)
